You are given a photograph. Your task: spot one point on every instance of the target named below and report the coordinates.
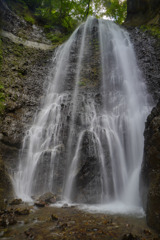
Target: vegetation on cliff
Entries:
(2, 96)
(67, 14)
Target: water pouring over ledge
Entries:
(86, 142)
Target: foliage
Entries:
(29, 19)
(1, 53)
(67, 14)
(57, 38)
(116, 10)
(22, 9)
(152, 29)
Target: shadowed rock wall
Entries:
(22, 80)
(143, 12)
(150, 176)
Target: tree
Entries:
(69, 13)
(116, 10)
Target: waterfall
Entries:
(86, 142)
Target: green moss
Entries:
(57, 38)
(29, 18)
(2, 99)
(154, 30)
(82, 83)
(20, 8)
(1, 52)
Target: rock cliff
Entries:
(143, 12)
(150, 176)
(147, 48)
(22, 81)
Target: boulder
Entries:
(39, 204)
(22, 211)
(6, 190)
(150, 174)
(87, 175)
(130, 236)
(16, 201)
(49, 198)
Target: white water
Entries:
(52, 152)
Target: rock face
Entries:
(143, 12)
(148, 54)
(147, 50)
(5, 185)
(22, 81)
(88, 172)
(150, 176)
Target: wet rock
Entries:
(23, 211)
(39, 204)
(147, 232)
(65, 205)
(62, 226)
(147, 51)
(16, 201)
(1, 233)
(87, 175)
(130, 236)
(150, 173)
(54, 218)
(7, 218)
(49, 198)
(5, 185)
(29, 233)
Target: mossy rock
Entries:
(5, 185)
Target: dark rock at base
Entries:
(65, 205)
(16, 201)
(54, 218)
(23, 211)
(88, 171)
(130, 236)
(39, 204)
(48, 198)
(5, 185)
(7, 218)
(150, 174)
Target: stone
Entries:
(130, 236)
(49, 198)
(150, 173)
(5, 185)
(54, 218)
(7, 219)
(39, 204)
(23, 211)
(16, 201)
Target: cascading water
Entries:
(86, 142)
